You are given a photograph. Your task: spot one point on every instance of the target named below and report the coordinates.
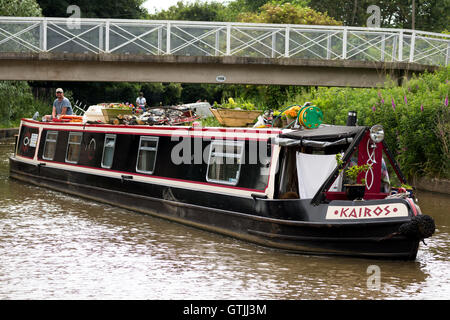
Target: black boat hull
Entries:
(190, 207)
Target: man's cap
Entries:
(59, 90)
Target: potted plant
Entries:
(354, 190)
(279, 119)
(291, 113)
(235, 114)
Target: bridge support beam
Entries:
(189, 69)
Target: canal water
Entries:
(55, 246)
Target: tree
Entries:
(355, 7)
(247, 5)
(215, 11)
(197, 11)
(289, 14)
(16, 99)
(350, 12)
(120, 9)
(239, 6)
(430, 15)
(20, 8)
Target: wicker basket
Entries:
(235, 118)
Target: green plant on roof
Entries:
(239, 104)
(354, 171)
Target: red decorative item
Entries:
(372, 156)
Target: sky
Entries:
(158, 5)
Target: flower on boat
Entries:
(292, 112)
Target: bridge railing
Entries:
(192, 38)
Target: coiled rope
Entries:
(420, 227)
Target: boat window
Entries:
(148, 147)
(224, 164)
(50, 145)
(73, 147)
(108, 150)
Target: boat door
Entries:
(27, 142)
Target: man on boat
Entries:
(61, 106)
(141, 102)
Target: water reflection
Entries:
(55, 246)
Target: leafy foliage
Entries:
(16, 98)
(17, 101)
(20, 8)
(239, 104)
(354, 171)
(90, 93)
(210, 122)
(289, 14)
(197, 11)
(431, 15)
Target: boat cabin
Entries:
(263, 163)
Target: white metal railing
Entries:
(193, 38)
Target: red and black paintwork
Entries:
(293, 224)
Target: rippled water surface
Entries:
(55, 246)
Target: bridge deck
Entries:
(191, 51)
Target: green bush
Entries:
(16, 102)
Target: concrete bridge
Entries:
(59, 49)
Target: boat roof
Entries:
(163, 130)
(323, 132)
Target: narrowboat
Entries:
(280, 188)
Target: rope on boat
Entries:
(420, 227)
(403, 195)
